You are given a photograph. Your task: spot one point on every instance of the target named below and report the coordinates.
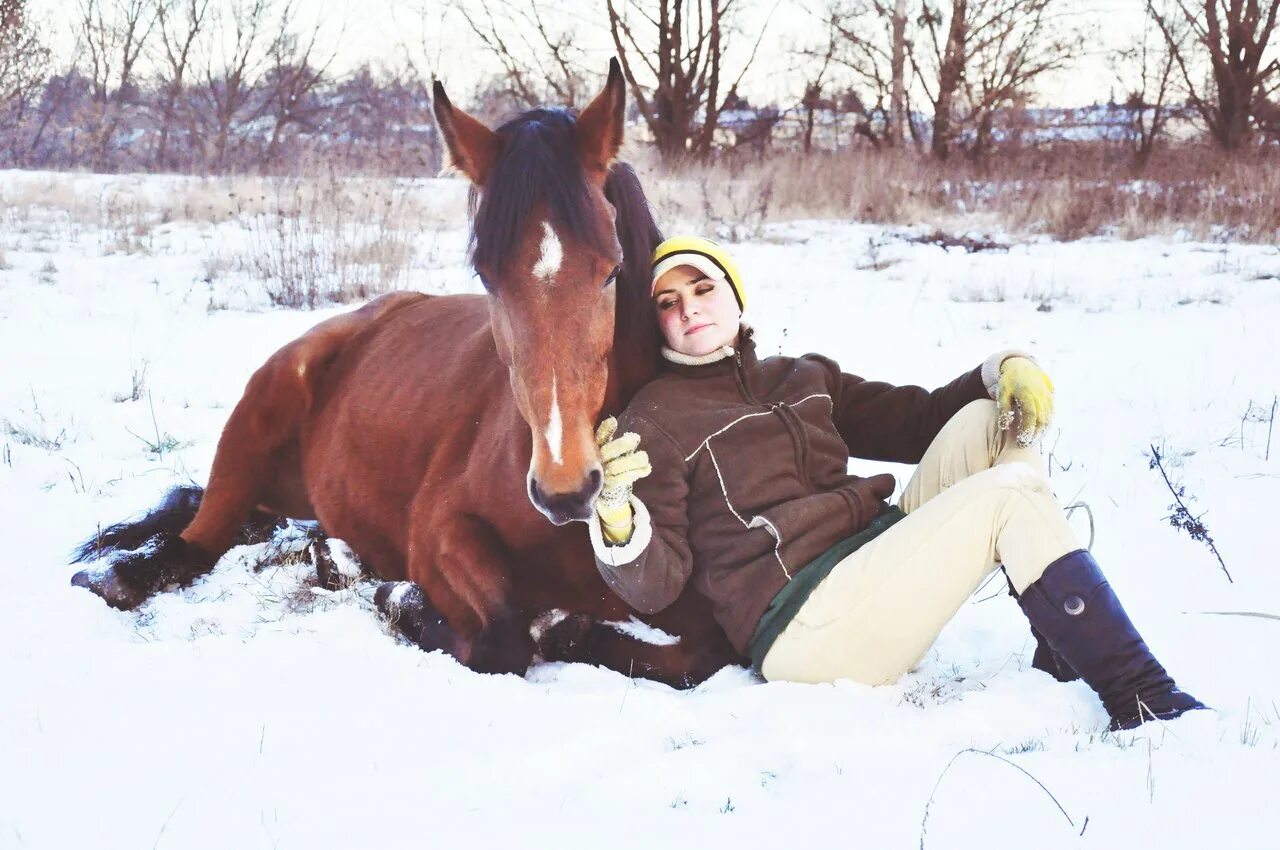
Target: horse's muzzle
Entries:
(563, 508)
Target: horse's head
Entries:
(545, 248)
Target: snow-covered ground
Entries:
(250, 712)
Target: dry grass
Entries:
(349, 243)
(1066, 192)
(308, 241)
(31, 427)
(141, 202)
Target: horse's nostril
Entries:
(565, 507)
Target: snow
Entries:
(644, 632)
(248, 711)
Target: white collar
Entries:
(690, 360)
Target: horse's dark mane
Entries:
(539, 163)
(637, 341)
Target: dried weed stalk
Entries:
(1181, 517)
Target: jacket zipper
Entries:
(789, 420)
(796, 427)
(741, 375)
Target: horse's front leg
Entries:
(681, 660)
(464, 571)
(409, 612)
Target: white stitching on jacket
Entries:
(756, 522)
(705, 444)
(724, 490)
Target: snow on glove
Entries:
(1025, 399)
(624, 465)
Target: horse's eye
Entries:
(613, 275)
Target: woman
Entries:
(741, 487)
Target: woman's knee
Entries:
(980, 415)
(977, 423)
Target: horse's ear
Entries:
(600, 123)
(473, 148)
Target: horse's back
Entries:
(420, 361)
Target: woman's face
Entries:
(697, 314)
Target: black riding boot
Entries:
(1074, 608)
(1045, 658)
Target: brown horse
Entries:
(438, 435)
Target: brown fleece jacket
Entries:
(750, 480)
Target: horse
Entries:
(449, 440)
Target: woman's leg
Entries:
(878, 612)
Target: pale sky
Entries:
(430, 34)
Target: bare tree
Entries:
(1024, 40)
(24, 64)
(978, 56)
(291, 82)
(234, 59)
(898, 74)
(680, 46)
(1145, 70)
(112, 34)
(383, 121)
(1234, 37)
(179, 24)
(813, 101)
(541, 61)
(863, 41)
(950, 55)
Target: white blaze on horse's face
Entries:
(550, 255)
(555, 428)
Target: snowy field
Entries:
(250, 712)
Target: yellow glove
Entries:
(1025, 399)
(623, 467)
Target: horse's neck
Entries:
(627, 374)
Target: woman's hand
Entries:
(624, 465)
(1025, 399)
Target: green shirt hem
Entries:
(793, 594)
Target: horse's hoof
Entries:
(568, 638)
(337, 567)
(410, 613)
(130, 578)
(108, 585)
(397, 598)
